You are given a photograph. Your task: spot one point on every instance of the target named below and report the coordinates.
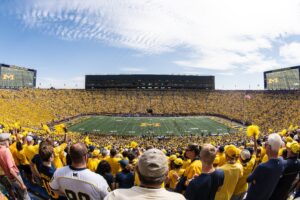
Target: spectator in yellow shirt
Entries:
(232, 171)
(30, 149)
(221, 156)
(23, 161)
(194, 169)
(104, 154)
(175, 174)
(94, 160)
(248, 162)
(114, 162)
(192, 152)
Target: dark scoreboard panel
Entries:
(148, 81)
(16, 77)
(282, 79)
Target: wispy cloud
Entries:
(291, 53)
(226, 73)
(132, 69)
(222, 35)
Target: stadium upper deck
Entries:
(149, 81)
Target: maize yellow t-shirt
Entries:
(172, 177)
(57, 151)
(22, 159)
(114, 164)
(193, 169)
(93, 164)
(30, 151)
(242, 185)
(232, 173)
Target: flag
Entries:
(247, 96)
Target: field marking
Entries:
(173, 125)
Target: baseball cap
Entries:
(96, 152)
(29, 138)
(245, 154)
(231, 151)
(294, 146)
(178, 161)
(153, 163)
(172, 157)
(124, 163)
(4, 137)
(91, 148)
(133, 144)
(288, 139)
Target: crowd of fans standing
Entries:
(264, 168)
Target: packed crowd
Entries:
(110, 167)
(268, 109)
(78, 166)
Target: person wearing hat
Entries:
(10, 169)
(232, 172)
(266, 175)
(205, 186)
(30, 149)
(94, 161)
(292, 168)
(175, 174)
(171, 160)
(125, 178)
(247, 161)
(152, 169)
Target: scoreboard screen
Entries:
(284, 79)
(16, 77)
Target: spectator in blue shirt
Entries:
(292, 168)
(265, 177)
(125, 178)
(206, 185)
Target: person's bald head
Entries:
(78, 152)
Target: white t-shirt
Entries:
(140, 193)
(81, 184)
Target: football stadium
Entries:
(126, 114)
(149, 100)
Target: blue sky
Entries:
(233, 40)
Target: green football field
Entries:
(150, 125)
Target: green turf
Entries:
(134, 125)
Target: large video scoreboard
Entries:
(149, 81)
(283, 79)
(16, 77)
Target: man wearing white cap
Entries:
(8, 165)
(152, 170)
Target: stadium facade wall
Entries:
(148, 81)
